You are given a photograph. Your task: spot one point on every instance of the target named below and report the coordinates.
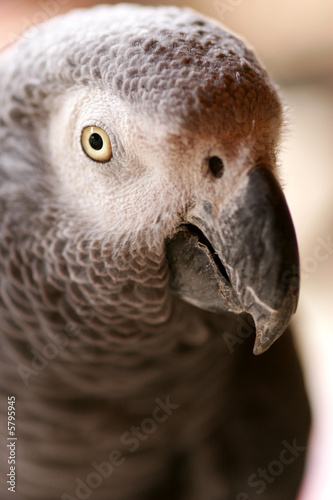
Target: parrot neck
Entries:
(97, 309)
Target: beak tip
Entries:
(259, 349)
(266, 336)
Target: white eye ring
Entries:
(96, 144)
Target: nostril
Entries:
(216, 166)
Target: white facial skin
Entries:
(155, 170)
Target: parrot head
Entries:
(158, 130)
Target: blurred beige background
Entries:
(294, 39)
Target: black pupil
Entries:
(96, 141)
(216, 166)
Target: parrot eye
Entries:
(96, 144)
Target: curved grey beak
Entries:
(252, 245)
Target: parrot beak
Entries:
(245, 259)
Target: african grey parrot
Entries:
(145, 242)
